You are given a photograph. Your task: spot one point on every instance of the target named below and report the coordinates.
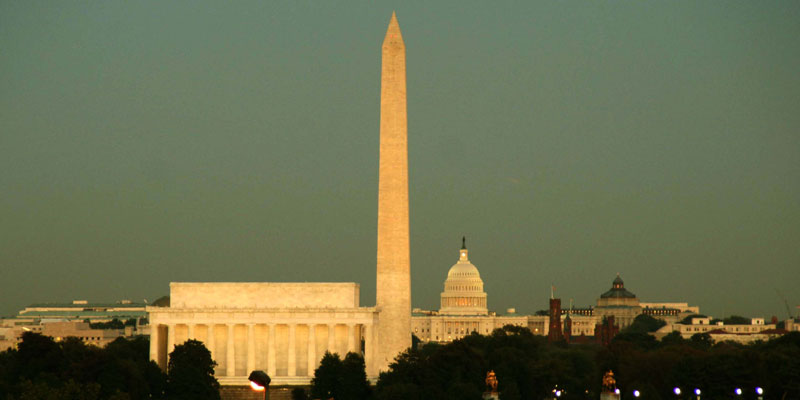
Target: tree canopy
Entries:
(528, 367)
(42, 368)
(340, 379)
(191, 373)
(644, 324)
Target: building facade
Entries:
(463, 307)
(283, 329)
(618, 302)
(73, 319)
(757, 330)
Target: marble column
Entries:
(368, 351)
(251, 349)
(211, 345)
(170, 340)
(230, 355)
(331, 338)
(271, 351)
(292, 368)
(351, 338)
(312, 350)
(154, 337)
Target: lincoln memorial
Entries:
(281, 328)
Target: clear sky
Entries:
(147, 142)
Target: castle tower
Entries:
(393, 290)
(554, 334)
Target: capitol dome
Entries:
(463, 289)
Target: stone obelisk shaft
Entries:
(393, 289)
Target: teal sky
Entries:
(148, 142)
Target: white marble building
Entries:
(463, 307)
(281, 328)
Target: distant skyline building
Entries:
(624, 306)
(463, 307)
(555, 333)
(464, 310)
(463, 289)
(755, 330)
(61, 320)
(619, 303)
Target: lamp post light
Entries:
(738, 391)
(259, 381)
(760, 392)
(636, 394)
(697, 393)
(677, 392)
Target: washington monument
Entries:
(284, 328)
(393, 290)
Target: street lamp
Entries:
(677, 391)
(636, 393)
(259, 381)
(557, 392)
(697, 393)
(759, 392)
(616, 391)
(738, 391)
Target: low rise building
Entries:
(61, 320)
(756, 330)
(81, 311)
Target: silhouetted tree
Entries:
(673, 338)
(353, 379)
(113, 324)
(40, 358)
(299, 394)
(644, 323)
(190, 374)
(326, 382)
(69, 369)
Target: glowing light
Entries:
(616, 391)
(738, 391)
(697, 392)
(636, 393)
(256, 386)
(558, 393)
(759, 390)
(677, 391)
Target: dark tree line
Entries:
(43, 369)
(528, 367)
(340, 379)
(113, 324)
